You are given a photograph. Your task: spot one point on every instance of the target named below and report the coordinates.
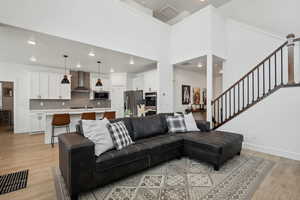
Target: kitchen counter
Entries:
(72, 111)
(75, 116)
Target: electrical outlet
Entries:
(63, 103)
(98, 103)
(42, 104)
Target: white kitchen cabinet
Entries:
(48, 86)
(64, 89)
(117, 100)
(54, 85)
(150, 81)
(44, 85)
(37, 123)
(34, 85)
(138, 83)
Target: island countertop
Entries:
(72, 111)
(75, 116)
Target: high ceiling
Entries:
(48, 52)
(279, 17)
(165, 10)
(199, 65)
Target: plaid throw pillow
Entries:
(176, 124)
(119, 135)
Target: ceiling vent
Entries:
(166, 13)
(186, 63)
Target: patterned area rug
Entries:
(183, 179)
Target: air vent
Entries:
(186, 63)
(166, 13)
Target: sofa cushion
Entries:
(204, 126)
(176, 124)
(163, 117)
(119, 135)
(115, 158)
(145, 127)
(127, 122)
(161, 143)
(214, 141)
(96, 131)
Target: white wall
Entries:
(201, 33)
(246, 47)
(19, 74)
(271, 125)
(190, 38)
(106, 23)
(185, 77)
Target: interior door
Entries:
(117, 101)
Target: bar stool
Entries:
(58, 121)
(88, 116)
(109, 115)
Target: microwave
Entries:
(101, 95)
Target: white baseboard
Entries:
(273, 151)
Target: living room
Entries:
(256, 101)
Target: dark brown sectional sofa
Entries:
(83, 171)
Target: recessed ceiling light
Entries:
(33, 59)
(78, 65)
(202, 0)
(31, 42)
(92, 53)
(131, 61)
(199, 65)
(112, 70)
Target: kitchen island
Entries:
(75, 115)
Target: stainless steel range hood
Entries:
(80, 81)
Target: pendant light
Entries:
(99, 83)
(65, 80)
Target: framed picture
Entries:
(186, 94)
(204, 96)
(196, 96)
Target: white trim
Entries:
(256, 29)
(273, 151)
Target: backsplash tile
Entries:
(78, 100)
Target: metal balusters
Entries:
(281, 60)
(243, 94)
(229, 103)
(264, 79)
(257, 83)
(275, 70)
(225, 106)
(269, 74)
(233, 100)
(238, 97)
(252, 87)
(248, 101)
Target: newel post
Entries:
(290, 46)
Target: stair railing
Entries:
(261, 81)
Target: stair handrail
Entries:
(218, 104)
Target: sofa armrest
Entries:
(204, 126)
(76, 162)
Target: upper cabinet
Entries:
(39, 84)
(48, 86)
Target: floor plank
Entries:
(23, 151)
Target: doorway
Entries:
(6, 106)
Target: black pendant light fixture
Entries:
(99, 83)
(65, 80)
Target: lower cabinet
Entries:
(37, 123)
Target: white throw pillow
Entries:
(190, 122)
(97, 132)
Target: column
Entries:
(209, 86)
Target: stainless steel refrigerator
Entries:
(132, 99)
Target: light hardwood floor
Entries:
(23, 151)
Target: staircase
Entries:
(274, 72)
